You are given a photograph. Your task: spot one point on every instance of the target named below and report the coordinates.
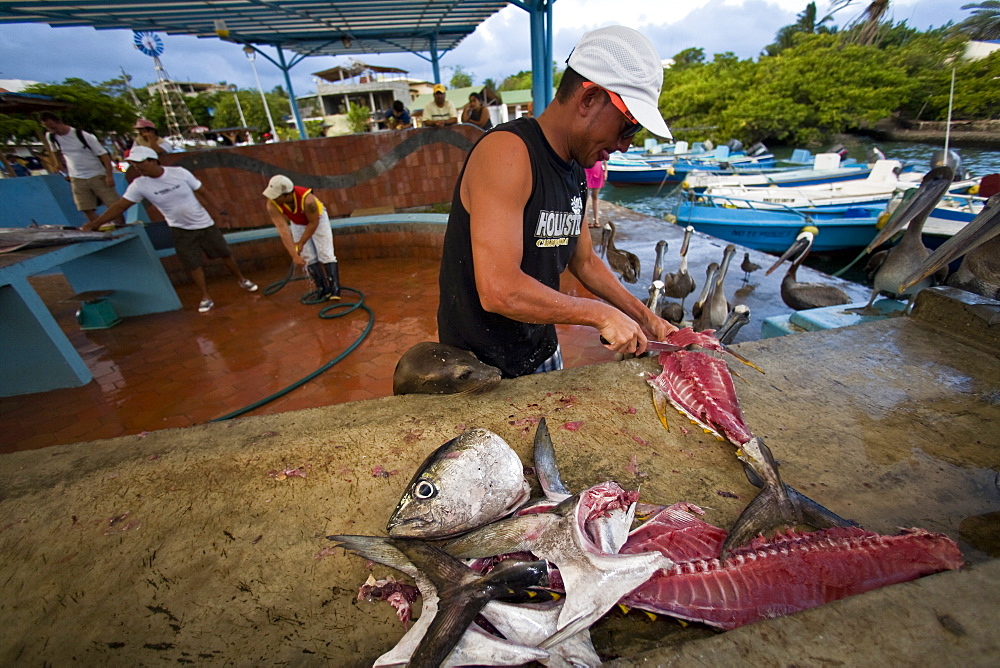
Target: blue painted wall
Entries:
(46, 200)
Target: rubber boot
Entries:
(319, 278)
(333, 275)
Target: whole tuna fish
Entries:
(469, 481)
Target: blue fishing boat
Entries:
(774, 231)
(626, 169)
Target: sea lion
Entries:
(437, 368)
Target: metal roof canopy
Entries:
(306, 27)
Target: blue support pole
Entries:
(549, 74)
(435, 60)
(291, 94)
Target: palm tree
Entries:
(806, 23)
(869, 22)
(984, 24)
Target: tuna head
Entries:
(469, 481)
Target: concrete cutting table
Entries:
(37, 355)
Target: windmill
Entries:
(179, 118)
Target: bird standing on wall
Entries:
(801, 296)
(626, 264)
(748, 267)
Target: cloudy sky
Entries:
(498, 48)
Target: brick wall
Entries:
(402, 170)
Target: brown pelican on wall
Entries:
(737, 318)
(979, 241)
(626, 264)
(890, 268)
(661, 249)
(715, 310)
(801, 296)
(680, 283)
(699, 304)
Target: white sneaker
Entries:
(248, 285)
(206, 305)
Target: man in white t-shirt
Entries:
(86, 163)
(184, 203)
(441, 111)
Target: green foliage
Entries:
(19, 128)
(825, 84)
(688, 57)
(313, 129)
(806, 23)
(984, 24)
(227, 114)
(357, 118)
(518, 81)
(491, 84)
(460, 78)
(93, 108)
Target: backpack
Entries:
(79, 135)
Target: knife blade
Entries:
(658, 346)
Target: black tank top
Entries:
(551, 227)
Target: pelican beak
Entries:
(799, 246)
(932, 188)
(687, 240)
(981, 229)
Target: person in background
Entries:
(86, 164)
(149, 137)
(398, 117)
(596, 176)
(477, 114)
(518, 207)
(304, 228)
(15, 167)
(184, 203)
(440, 111)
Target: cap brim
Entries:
(648, 116)
(272, 193)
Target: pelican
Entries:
(892, 267)
(739, 316)
(661, 249)
(717, 306)
(680, 283)
(622, 261)
(800, 296)
(979, 241)
(748, 267)
(669, 311)
(655, 293)
(699, 304)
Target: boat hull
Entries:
(775, 231)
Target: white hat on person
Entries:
(278, 185)
(624, 61)
(139, 153)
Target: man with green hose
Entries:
(304, 228)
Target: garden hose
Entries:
(335, 310)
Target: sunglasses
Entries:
(619, 104)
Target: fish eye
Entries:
(425, 489)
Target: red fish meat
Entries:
(701, 387)
(790, 572)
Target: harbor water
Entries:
(659, 202)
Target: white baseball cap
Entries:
(278, 186)
(623, 61)
(139, 153)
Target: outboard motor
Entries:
(839, 150)
(952, 159)
(874, 155)
(735, 145)
(756, 150)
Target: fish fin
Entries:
(741, 358)
(546, 467)
(761, 515)
(375, 548)
(460, 604)
(814, 514)
(568, 631)
(624, 608)
(651, 615)
(498, 537)
(660, 405)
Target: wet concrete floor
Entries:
(190, 545)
